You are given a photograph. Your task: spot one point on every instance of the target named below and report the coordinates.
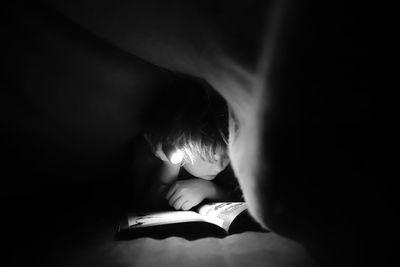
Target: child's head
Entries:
(194, 119)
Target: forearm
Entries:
(219, 194)
(168, 173)
(160, 185)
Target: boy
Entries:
(187, 135)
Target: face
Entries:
(204, 169)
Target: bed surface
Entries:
(81, 233)
(245, 249)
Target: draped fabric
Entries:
(77, 78)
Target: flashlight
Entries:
(174, 155)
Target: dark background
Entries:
(70, 105)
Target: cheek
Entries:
(194, 169)
(200, 169)
(188, 167)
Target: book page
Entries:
(164, 217)
(222, 213)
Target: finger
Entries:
(160, 153)
(187, 205)
(174, 198)
(179, 203)
(171, 191)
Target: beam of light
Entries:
(176, 157)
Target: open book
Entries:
(211, 219)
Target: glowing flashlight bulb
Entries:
(177, 157)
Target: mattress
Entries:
(244, 249)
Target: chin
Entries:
(208, 177)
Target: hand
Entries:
(188, 193)
(160, 153)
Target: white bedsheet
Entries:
(245, 249)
